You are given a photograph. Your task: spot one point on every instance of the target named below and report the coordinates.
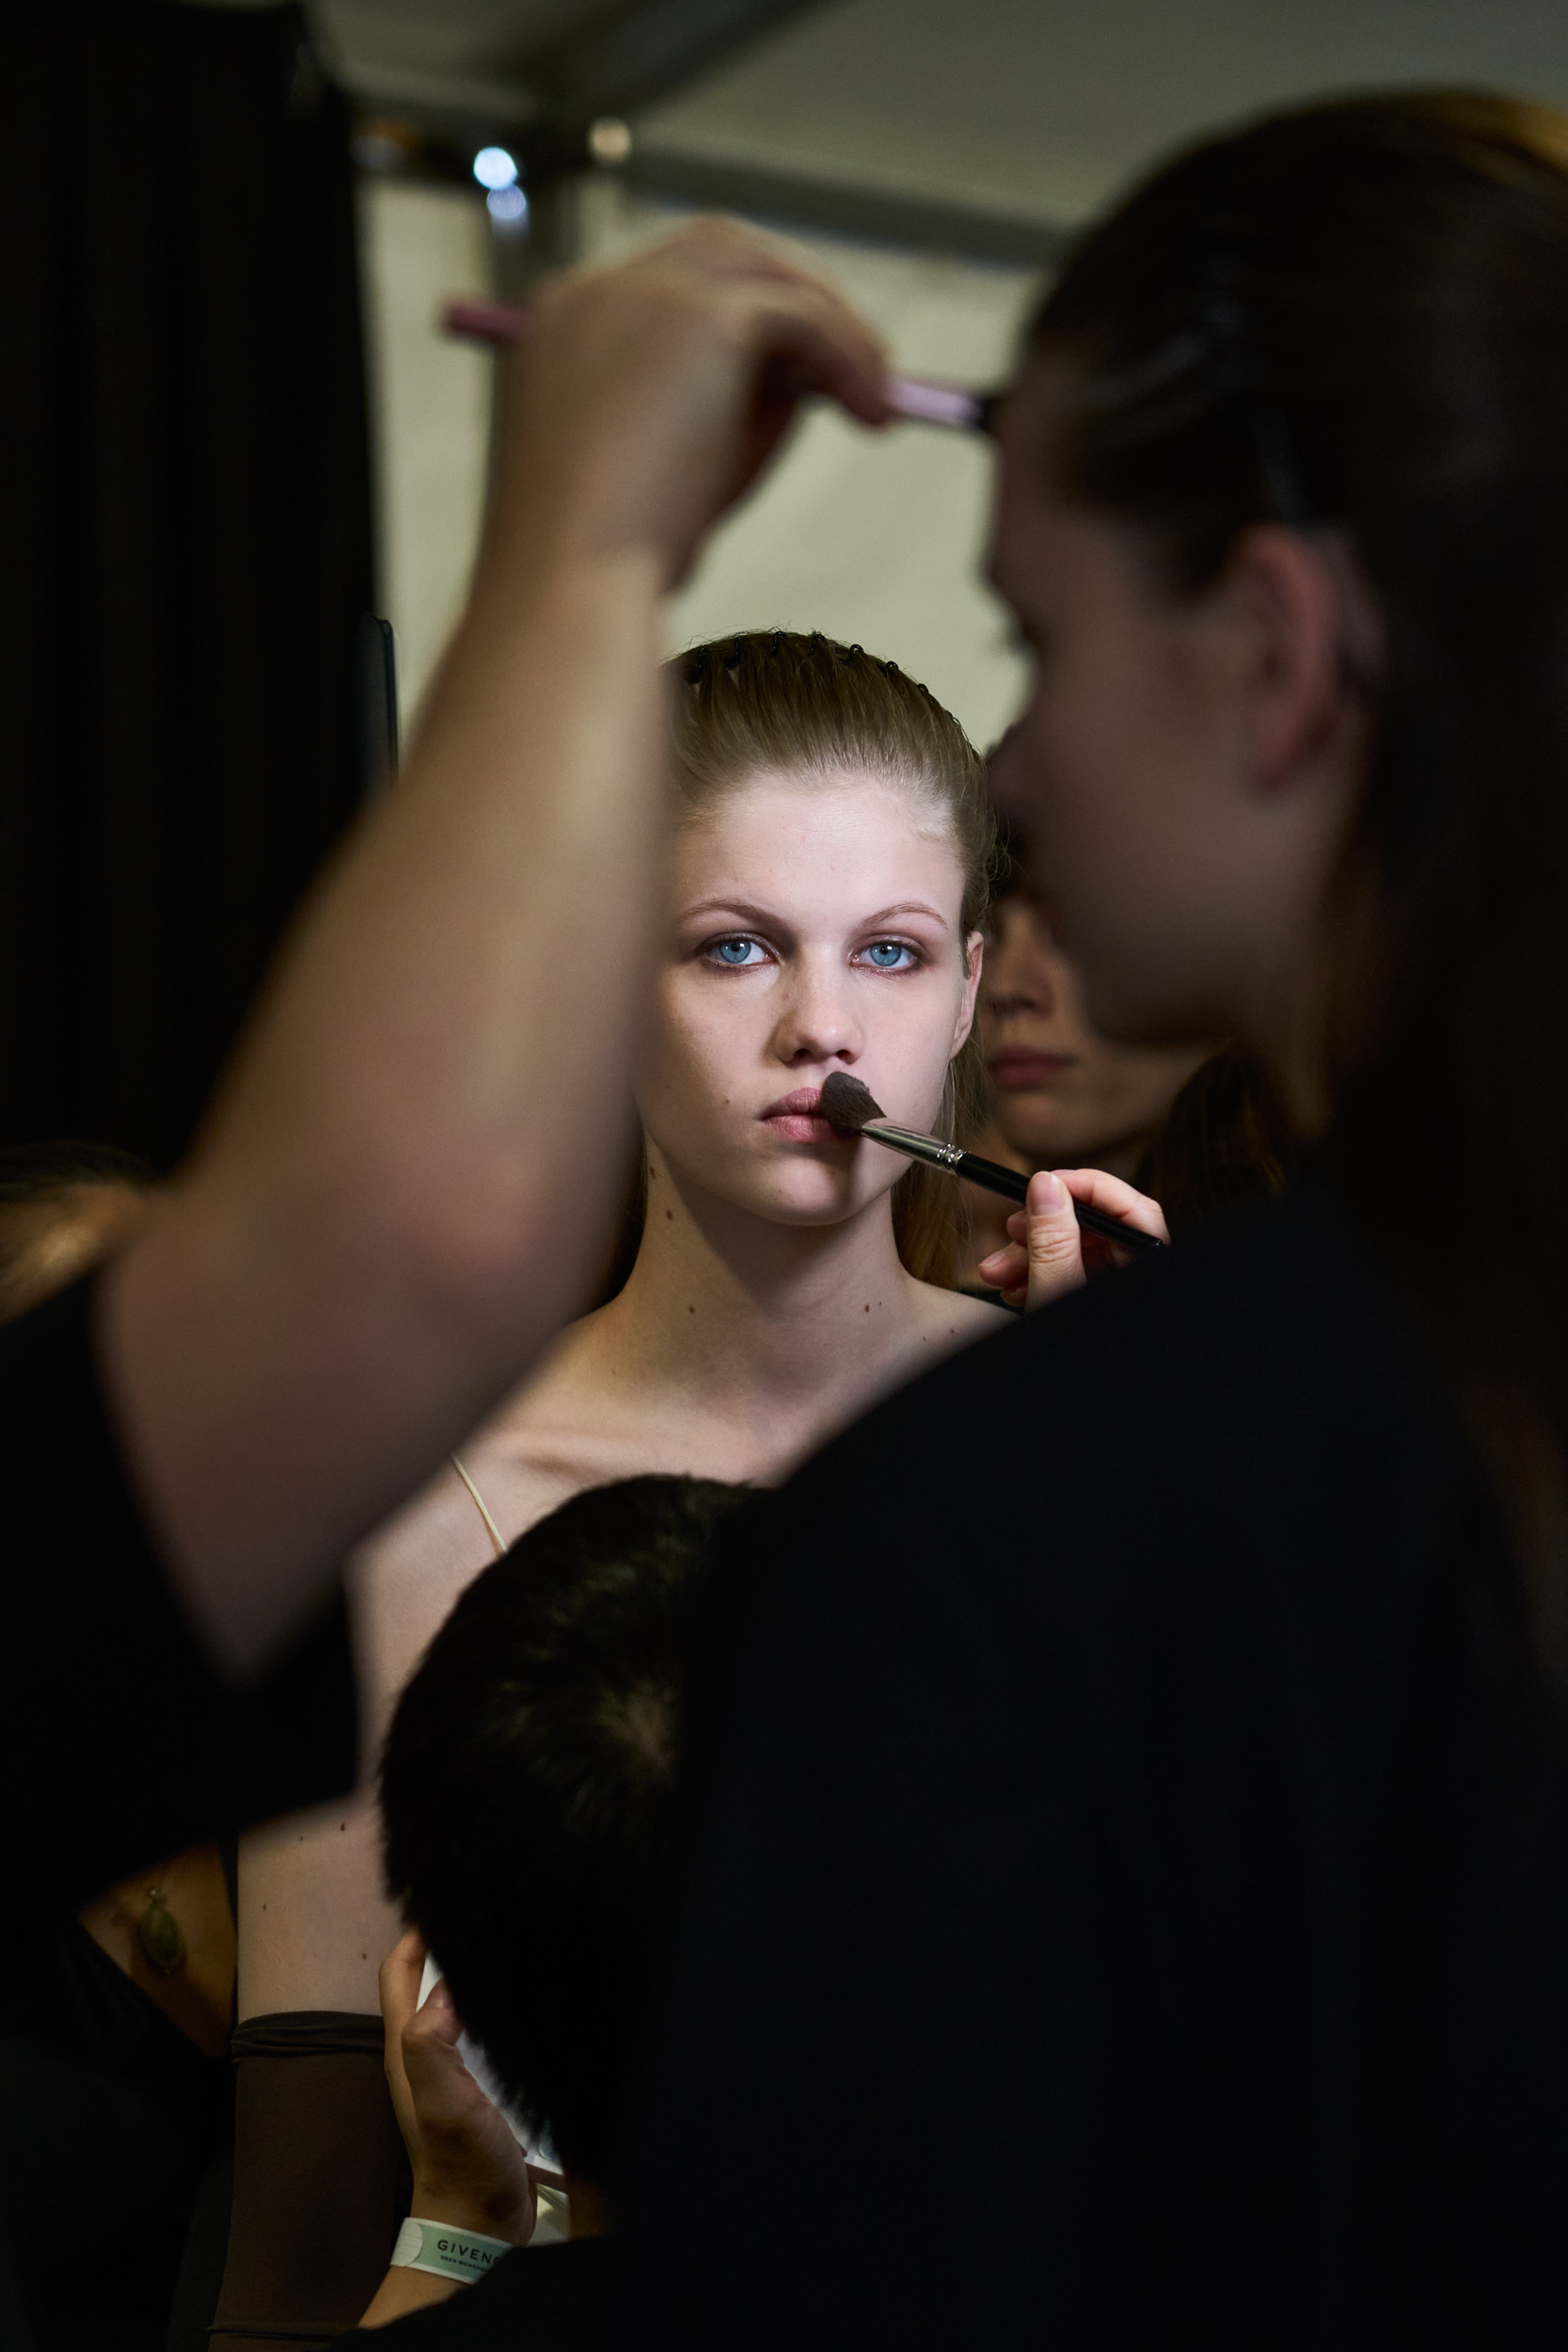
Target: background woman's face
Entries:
(1062, 1095)
(813, 926)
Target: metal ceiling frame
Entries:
(870, 215)
(641, 51)
(547, 98)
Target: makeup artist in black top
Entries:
(1143, 1778)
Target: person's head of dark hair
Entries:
(1012, 873)
(527, 1795)
(62, 1207)
(1354, 318)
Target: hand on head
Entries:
(468, 2169)
(1048, 1251)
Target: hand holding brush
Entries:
(1051, 1249)
(1033, 1265)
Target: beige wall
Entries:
(875, 538)
(430, 411)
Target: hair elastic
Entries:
(447, 2254)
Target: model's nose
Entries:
(818, 1022)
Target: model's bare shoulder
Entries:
(517, 1466)
(950, 1319)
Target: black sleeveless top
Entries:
(1126, 1785)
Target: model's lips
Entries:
(803, 1104)
(799, 1116)
(1015, 1070)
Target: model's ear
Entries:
(1290, 624)
(975, 951)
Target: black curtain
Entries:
(186, 558)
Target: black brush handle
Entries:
(992, 1176)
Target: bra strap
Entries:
(478, 1504)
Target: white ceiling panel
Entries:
(1048, 105)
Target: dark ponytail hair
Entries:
(1356, 316)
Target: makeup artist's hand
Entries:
(645, 397)
(1048, 1251)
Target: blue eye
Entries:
(888, 955)
(735, 953)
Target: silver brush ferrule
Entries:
(928, 1148)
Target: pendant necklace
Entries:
(160, 1936)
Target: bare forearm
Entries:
(404, 1184)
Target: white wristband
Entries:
(446, 2252)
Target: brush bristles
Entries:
(849, 1104)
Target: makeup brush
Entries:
(916, 396)
(849, 1104)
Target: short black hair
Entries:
(527, 1797)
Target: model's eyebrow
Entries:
(906, 906)
(743, 909)
(746, 911)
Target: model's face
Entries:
(1064, 1095)
(1181, 768)
(813, 927)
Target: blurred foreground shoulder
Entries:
(116, 1719)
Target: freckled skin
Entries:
(814, 882)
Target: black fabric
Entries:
(200, 2279)
(120, 2115)
(112, 1721)
(1134, 1801)
(184, 479)
(541, 2299)
(118, 1744)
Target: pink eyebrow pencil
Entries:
(500, 323)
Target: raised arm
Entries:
(399, 1195)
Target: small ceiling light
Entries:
(610, 141)
(507, 205)
(494, 169)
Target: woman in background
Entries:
(1196, 1127)
(1058, 1094)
